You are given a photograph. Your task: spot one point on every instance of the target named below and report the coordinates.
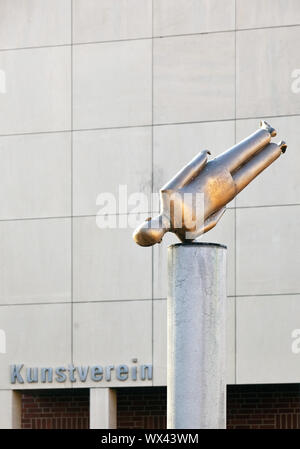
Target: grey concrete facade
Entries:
(96, 94)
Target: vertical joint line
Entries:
(235, 217)
(152, 177)
(71, 119)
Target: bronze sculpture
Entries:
(216, 182)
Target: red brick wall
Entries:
(142, 408)
(55, 409)
(263, 406)
(248, 407)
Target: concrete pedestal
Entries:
(103, 408)
(196, 336)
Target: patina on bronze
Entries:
(216, 182)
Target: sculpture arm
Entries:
(188, 173)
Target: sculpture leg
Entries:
(257, 164)
(240, 153)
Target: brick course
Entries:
(142, 408)
(55, 409)
(263, 406)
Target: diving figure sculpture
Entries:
(194, 200)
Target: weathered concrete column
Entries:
(103, 408)
(10, 409)
(196, 336)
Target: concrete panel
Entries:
(103, 408)
(173, 17)
(274, 88)
(35, 261)
(10, 409)
(35, 23)
(37, 336)
(35, 175)
(116, 332)
(230, 342)
(108, 264)
(176, 145)
(264, 13)
(223, 233)
(265, 343)
(160, 342)
(112, 84)
(111, 20)
(104, 160)
(37, 90)
(194, 78)
(268, 250)
(279, 183)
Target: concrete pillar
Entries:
(10, 409)
(196, 336)
(103, 408)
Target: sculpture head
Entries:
(151, 231)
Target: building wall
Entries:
(248, 407)
(263, 407)
(55, 409)
(100, 94)
(142, 408)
